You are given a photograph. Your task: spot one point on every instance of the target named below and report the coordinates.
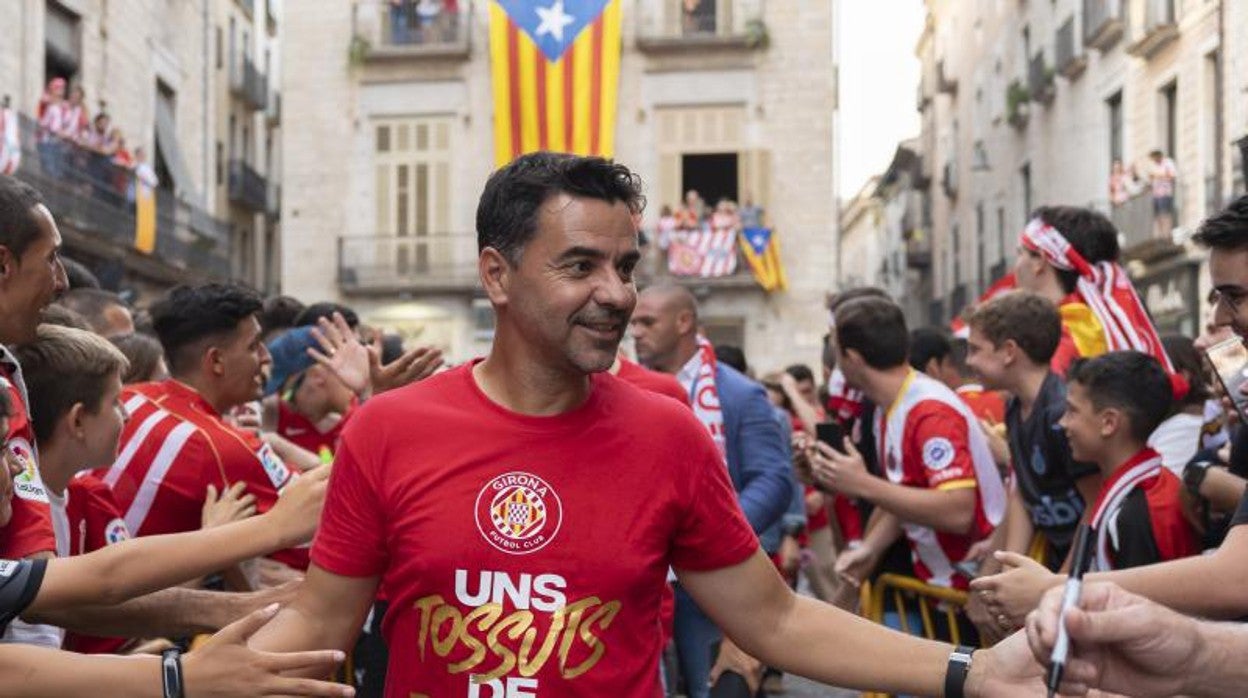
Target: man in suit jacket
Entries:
(665, 329)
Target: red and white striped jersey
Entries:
(175, 445)
(29, 531)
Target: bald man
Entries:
(739, 417)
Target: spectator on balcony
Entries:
(751, 214)
(400, 21)
(123, 161)
(74, 118)
(725, 218)
(699, 16)
(427, 14)
(10, 146)
(689, 216)
(51, 117)
(144, 176)
(1161, 175)
(100, 150)
(1122, 183)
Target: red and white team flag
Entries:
(705, 253)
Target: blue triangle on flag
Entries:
(553, 24)
(758, 239)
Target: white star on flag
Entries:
(554, 19)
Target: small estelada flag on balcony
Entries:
(556, 68)
(762, 252)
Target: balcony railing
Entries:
(695, 24)
(386, 264)
(93, 200)
(1071, 60)
(273, 201)
(1040, 80)
(247, 187)
(1135, 221)
(1102, 23)
(249, 84)
(1153, 27)
(389, 31)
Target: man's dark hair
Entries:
(78, 275)
(927, 343)
(188, 315)
(325, 309)
(1183, 354)
(142, 351)
(511, 202)
(732, 356)
(1130, 381)
(800, 372)
(1091, 234)
(18, 225)
(1227, 229)
(1031, 320)
(59, 315)
(876, 329)
(91, 303)
(280, 313)
(844, 297)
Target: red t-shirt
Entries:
(175, 445)
(986, 404)
(935, 454)
(302, 432)
(653, 381)
(526, 553)
(30, 529)
(94, 520)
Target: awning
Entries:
(167, 142)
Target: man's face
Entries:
(243, 360)
(1027, 269)
(986, 361)
(1228, 270)
(102, 428)
(1082, 423)
(31, 282)
(572, 292)
(806, 388)
(9, 469)
(656, 328)
(852, 367)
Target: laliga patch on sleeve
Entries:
(115, 532)
(277, 471)
(27, 483)
(937, 453)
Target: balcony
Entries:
(949, 179)
(1040, 80)
(93, 201)
(1153, 27)
(1071, 61)
(249, 84)
(385, 32)
(444, 262)
(1134, 220)
(247, 187)
(918, 249)
(697, 25)
(1103, 23)
(273, 201)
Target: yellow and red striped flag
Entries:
(556, 70)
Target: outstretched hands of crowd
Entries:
(358, 364)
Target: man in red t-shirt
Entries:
(524, 509)
(177, 442)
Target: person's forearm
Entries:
(172, 612)
(805, 413)
(882, 529)
(1219, 669)
(294, 628)
(301, 458)
(1223, 489)
(1019, 529)
(949, 511)
(33, 672)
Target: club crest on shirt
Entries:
(518, 513)
(26, 484)
(938, 453)
(116, 532)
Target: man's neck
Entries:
(524, 385)
(672, 363)
(1116, 455)
(884, 387)
(1027, 385)
(56, 467)
(195, 382)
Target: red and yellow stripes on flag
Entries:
(568, 105)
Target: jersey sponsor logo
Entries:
(8, 568)
(938, 453)
(518, 513)
(277, 471)
(1057, 512)
(27, 484)
(116, 532)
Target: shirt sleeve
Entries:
(351, 540)
(29, 531)
(942, 450)
(19, 583)
(712, 532)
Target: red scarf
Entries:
(1142, 467)
(704, 396)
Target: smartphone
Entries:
(1229, 360)
(831, 434)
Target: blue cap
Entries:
(290, 357)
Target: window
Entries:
(1114, 105)
(412, 170)
(62, 43)
(1169, 103)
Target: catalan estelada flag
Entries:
(556, 69)
(762, 252)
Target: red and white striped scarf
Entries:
(1108, 292)
(1144, 466)
(704, 396)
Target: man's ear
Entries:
(495, 272)
(8, 262)
(214, 361)
(1112, 421)
(685, 323)
(75, 419)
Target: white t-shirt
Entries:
(1177, 439)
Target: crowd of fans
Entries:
(423, 21)
(190, 442)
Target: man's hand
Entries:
(1006, 669)
(1012, 594)
(416, 365)
(853, 566)
(231, 505)
(1122, 642)
(990, 630)
(845, 473)
(343, 354)
(225, 667)
(298, 509)
(731, 658)
(801, 443)
(995, 433)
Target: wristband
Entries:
(958, 669)
(171, 672)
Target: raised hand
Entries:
(343, 354)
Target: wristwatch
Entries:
(957, 671)
(1194, 475)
